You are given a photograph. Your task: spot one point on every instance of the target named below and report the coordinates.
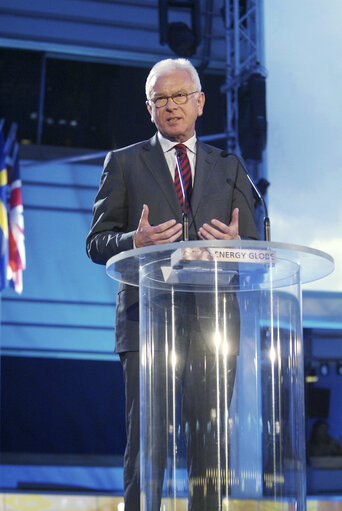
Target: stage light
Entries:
(262, 185)
(252, 123)
(339, 368)
(312, 376)
(181, 39)
(324, 369)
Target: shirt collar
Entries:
(167, 144)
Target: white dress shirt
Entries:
(170, 153)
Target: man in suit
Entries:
(137, 205)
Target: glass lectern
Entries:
(221, 372)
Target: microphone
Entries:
(267, 224)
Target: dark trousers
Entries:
(130, 366)
(198, 400)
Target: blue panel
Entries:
(56, 339)
(68, 302)
(90, 315)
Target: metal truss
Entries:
(244, 55)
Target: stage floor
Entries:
(53, 502)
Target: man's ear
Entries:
(200, 103)
(150, 111)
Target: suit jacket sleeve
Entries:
(108, 233)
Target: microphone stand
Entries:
(267, 223)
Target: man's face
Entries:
(176, 122)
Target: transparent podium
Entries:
(221, 372)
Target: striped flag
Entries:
(3, 214)
(17, 257)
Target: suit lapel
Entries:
(154, 159)
(204, 165)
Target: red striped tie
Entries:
(186, 175)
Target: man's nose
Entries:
(170, 105)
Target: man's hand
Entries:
(147, 234)
(217, 230)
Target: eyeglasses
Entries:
(180, 98)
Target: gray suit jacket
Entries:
(137, 175)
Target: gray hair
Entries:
(168, 65)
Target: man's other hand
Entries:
(147, 234)
(217, 230)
